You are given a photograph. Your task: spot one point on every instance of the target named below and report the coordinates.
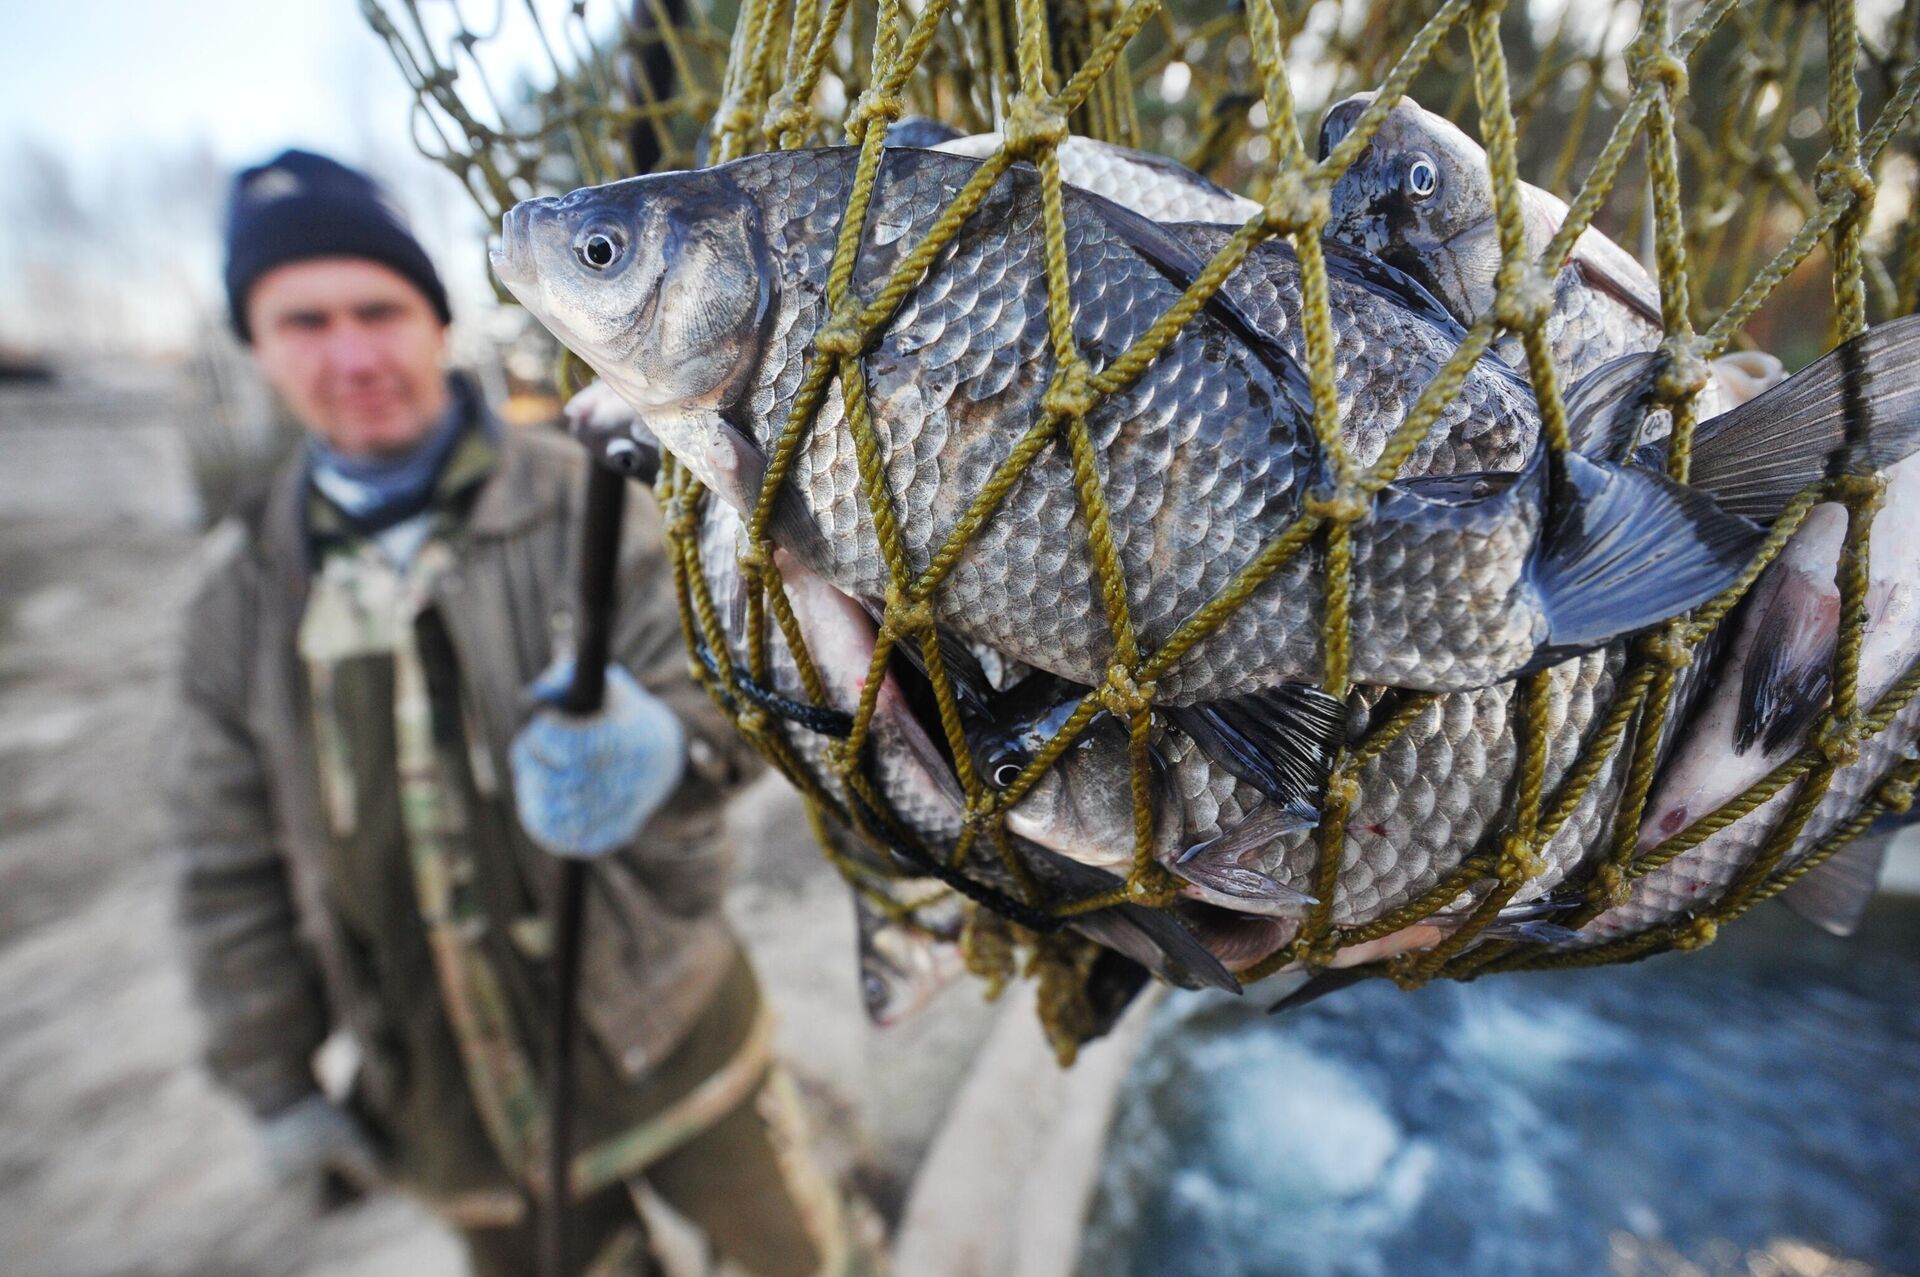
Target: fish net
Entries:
(1764, 152)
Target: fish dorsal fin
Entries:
(1281, 740)
(1626, 548)
(1833, 895)
(1181, 265)
(1855, 408)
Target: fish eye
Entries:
(1423, 176)
(1004, 767)
(599, 248)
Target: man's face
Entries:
(354, 349)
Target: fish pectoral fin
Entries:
(1833, 895)
(1281, 740)
(1206, 867)
(1855, 408)
(1625, 549)
(1606, 407)
(1157, 940)
(1789, 673)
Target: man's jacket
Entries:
(274, 966)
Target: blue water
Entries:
(1765, 1088)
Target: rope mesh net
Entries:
(1747, 195)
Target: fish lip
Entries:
(511, 254)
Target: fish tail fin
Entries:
(1627, 548)
(1834, 894)
(1855, 408)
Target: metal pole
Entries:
(599, 557)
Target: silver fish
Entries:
(904, 962)
(698, 296)
(753, 382)
(1767, 700)
(1420, 197)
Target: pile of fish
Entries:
(697, 298)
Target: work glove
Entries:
(585, 785)
(313, 1141)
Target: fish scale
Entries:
(1254, 446)
(1700, 876)
(957, 377)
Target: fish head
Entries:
(903, 966)
(662, 284)
(1082, 806)
(1419, 196)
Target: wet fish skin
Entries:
(1604, 303)
(1732, 743)
(1151, 185)
(1193, 493)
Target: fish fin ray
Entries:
(1605, 408)
(1856, 407)
(1789, 675)
(1833, 895)
(1625, 549)
(1318, 985)
(1281, 740)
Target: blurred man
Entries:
(358, 659)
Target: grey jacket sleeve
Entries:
(259, 993)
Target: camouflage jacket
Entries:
(261, 917)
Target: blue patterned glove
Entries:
(585, 785)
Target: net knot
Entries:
(754, 723)
(1296, 202)
(787, 117)
(1861, 492)
(753, 559)
(1124, 698)
(905, 617)
(1650, 62)
(1610, 886)
(1896, 796)
(1519, 862)
(1341, 504)
(1526, 305)
(1667, 650)
(1034, 122)
(1343, 791)
(1153, 886)
(870, 106)
(1839, 741)
(734, 116)
(1071, 393)
(684, 526)
(840, 336)
(1838, 181)
(1684, 370)
(1697, 934)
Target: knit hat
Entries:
(299, 205)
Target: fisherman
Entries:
(353, 729)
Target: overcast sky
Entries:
(129, 95)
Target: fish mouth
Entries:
(512, 254)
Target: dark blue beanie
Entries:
(299, 205)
